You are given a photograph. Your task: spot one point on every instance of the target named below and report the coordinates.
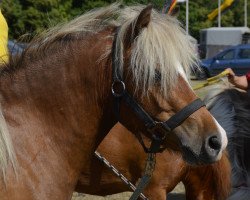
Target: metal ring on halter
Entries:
(122, 88)
(159, 127)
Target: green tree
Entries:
(198, 11)
(33, 16)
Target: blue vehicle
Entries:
(235, 57)
(15, 48)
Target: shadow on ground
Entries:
(175, 196)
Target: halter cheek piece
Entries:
(154, 127)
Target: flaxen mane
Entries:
(7, 154)
(162, 47)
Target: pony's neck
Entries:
(73, 78)
(66, 96)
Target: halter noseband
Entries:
(120, 93)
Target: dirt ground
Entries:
(122, 196)
(177, 194)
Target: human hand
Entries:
(237, 81)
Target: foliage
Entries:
(198, 11)
(33, 16)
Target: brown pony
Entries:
(57, 104)
(123, 151)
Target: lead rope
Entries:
(118, 174)
(148, 172)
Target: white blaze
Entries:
(223, 134)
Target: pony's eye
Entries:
(157, 76)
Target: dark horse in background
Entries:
(57, 104)
(231, 108)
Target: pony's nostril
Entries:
(212, 148)
(214, 143)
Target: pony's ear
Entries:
(142, 20)
(138, 25)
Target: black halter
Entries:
(154, 127)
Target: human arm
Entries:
(238, 81)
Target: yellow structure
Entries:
(3, 39)
(226, 4)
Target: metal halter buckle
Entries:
(118, 88)
(159, 128)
